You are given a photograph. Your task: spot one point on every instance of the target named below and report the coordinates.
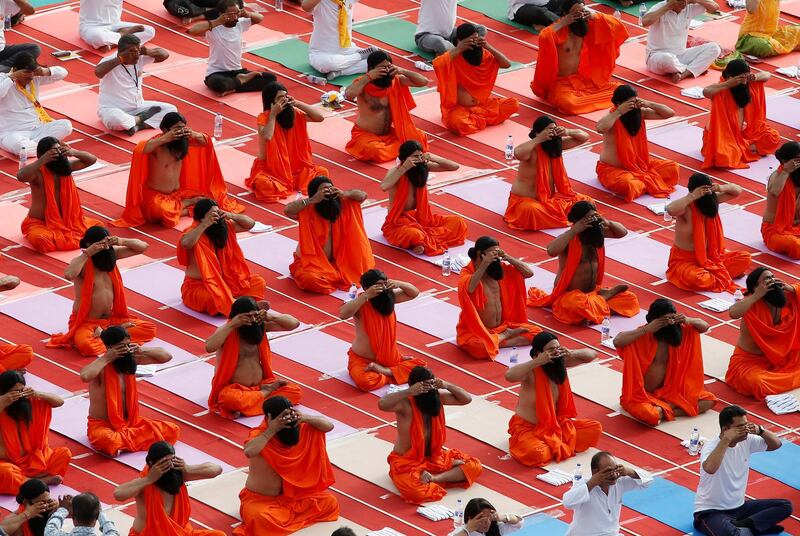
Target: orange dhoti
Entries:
(196, 295)
(575, 94)
(44, 239)
(15, 356)
(165, 209)
(684, 272)
(248, 400)
(780, 241)
(475, 344)
(134, 438)
(754, 375)
(270, 188)
(369, 147)
(659, 180)
(369, 380)
(531, 445)
(52, 462)
(465, 120)
(529, 214)
(782, 235)
(87, 340)
(264, 515)
(575, 306)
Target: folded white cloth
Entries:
(695, 24)
(694, 92)
(385, 531)
(783, 404)
(457, 262)
(145, 370)
(658, 208)
(261, 228)
(716, 304)
(685, 444)
(790, 71)
(555, 477)
(737, 4)
(435, 512)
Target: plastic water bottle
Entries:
(605, 329)
(23, 154)
(458, 515)
(694, 442)
(352, 293)
(510, 148)
(514, 359)
(278, 5)
(617, 14)
(667, 215)
(423, 66)
(446, 263)
(317, 80)
(577, 477)
(738, 296)
(7, 23)
(642, 12)
(218, 126)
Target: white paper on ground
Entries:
(717, 305)
(694, 92)
(783, 404)
(261, 228)
(790, 71)
(555, 477)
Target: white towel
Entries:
(694, 92)
(457, 262)
(790, 71)
(685, 444)
(385, 531)
(658, 208)
(716, 304)
(145, 370)
(435, 512)
(783, 404)
(261, 228)
(555, 477)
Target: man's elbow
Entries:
(119, 496)
(708, 468)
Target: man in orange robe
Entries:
(216, 272)
(290, 473)
(333, 250)
(284, 164)
(542, 194)
(243, 376)
(766, 360)
(35, 501)
(662, 375)
(737, 131)
(374, 359)
(781, 226)
(419, 466)
(171, 172)
(544, 427)
(24, 424)
(384, 103)
(100, 294)
(577, 55)
(162, 500)
(465, 79)
(698, 260)
(491, 294)
(410, 222)
(55, 221)
(625, 166)
(115, 425)
(578, 296)
(13, 356)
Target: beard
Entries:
(553, 147)
(495, 270)
(126, 364)
(741, 95)
(579, 27)
(708, 205)
(593, 236)
(429, 403)
(218, 234)
(105, 260)
(384, 303)
(252, 334)
(60, 167)
(632, 121)
(171, 481)
(418, 175)
(384, 81)
(21, 410)
(37, 524)
(289, 436)
(556, 370)
(776, 297)
(330, 208)
(672, 335)
(286, 118)
(473, 55)
(179, 148)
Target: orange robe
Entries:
(557, 435)
(15, 356)
(420, 226)
(228, 398)
(472, 335)
(32, 440)
(225, 275)
(382, 333)
(575, 306)
(710, 266)
(131, 433)
(369, 147)
(638, 172)
(782, 236)
(307, 474)
(478, 81)
(64, 223)
(82, 329)
(725, 144)
(200, 176)
(777, 369)
(405, 469)
(548, 210)
(288, 167)
(352, 254)
(683, 386)
(590, 88)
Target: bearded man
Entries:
(34, 496)
(766, 360)
(662, 375)
(781, 225)
(162, 500)
(410, 222)
(698, 260)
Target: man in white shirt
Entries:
(436, 26)
(16, 9)
(25, 121)
(668, 28)
(101, 26)
(719, 506)
(331, 50)
(538, 14)
(84, 509)
(121, 105)
(597, 502)
(225, 34)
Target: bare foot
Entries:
(9, 282)
(511, 333)
(419, 250)
(236, 414)
(104, 48)
(380, 369)
(244, 78)
(626, 3)
(608, 293)
(51, 480)
(131, 29)
(425, 477)
(456, 463)
(372, 367)
(537, 27)
(270, 388)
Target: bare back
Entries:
(657, 371)
(683, 231)
(38, 199)
(102, 295)
(609, 153)
(262, 478)
(361, 344)
(746, 341)
(526, 406)
(569, 55)
(374, 114)
(404, 417)
(165, 171)
(772, 206)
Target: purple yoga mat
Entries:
(490, 193)
(315, 349)
(745, 227)
(760, 170)
(682, 138)
(344, 375)
(430, 315)
(784, 109)
(270, 250)
(191, 381)
(30, 311)
(179, 355)
(44, 386)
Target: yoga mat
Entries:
(716, 356)
(44, 386)
(542, 525)
(111, 187)
(430, 315)
(666, 502)
(9, 502)
(191, 76)
(362, 12)
(44, 3)
(13, 215)
(315, 349)
(633, 55)
(235, 164)
(724, 32)
(784, 109)
(779, 464)
(29, 311)
(394, 31)
(221, 493)
(335, 133)
(65, 20)
(495, 10)
(293, 54)
(745, 227)
(273, 251)
(328, 527)
(792, 8)
(682, 138)
(485, 420)
(630, 10)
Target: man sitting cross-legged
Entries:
(780, 228)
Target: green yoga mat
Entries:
(44, 3)
(393, 31)
(631, 10)
(494, 9)
(293, 53)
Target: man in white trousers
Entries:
(331, 50)
(101, 26)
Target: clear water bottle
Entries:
(510, 148)
(694, 442)
(298, 196)
(605, 329)
(23, 154)
(423, 66)
(577, 476)
(352, 293)
(617, 14)
(7, 23)
(514, 359)
(738, 296)
(218, 126)
(458, 515)
(667, 215)
(447, 262)
(317, 80)
(642, 12)
(278, 5)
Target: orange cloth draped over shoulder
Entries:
(25, 528)
(228, 398)
(782, 235)
(382, 333)
(159, 523)
(472, 335)
(15, 356)
(64, 223)
(306, 474)
(478, 81)
(352, 254)
(288, 166)
(131, 433)
(638, 172)
(557, 435)
(369, 147)
(776, 369)
(405, 469)
(548, 210)
(225, 275)
(683, 386)
(27, 449)
(200, 176)
(420, 226)
(725, 144)
(575, 306)
(710, 266)
(590, 88)
(81, 332)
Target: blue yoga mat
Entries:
(542, 525)
(666, 502)
(779, 464)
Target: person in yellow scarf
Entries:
(760, 34)
(25, 121)
(331, 50)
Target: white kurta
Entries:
(324, 52)
(101, 20)
(666, 43)
(595, 513)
